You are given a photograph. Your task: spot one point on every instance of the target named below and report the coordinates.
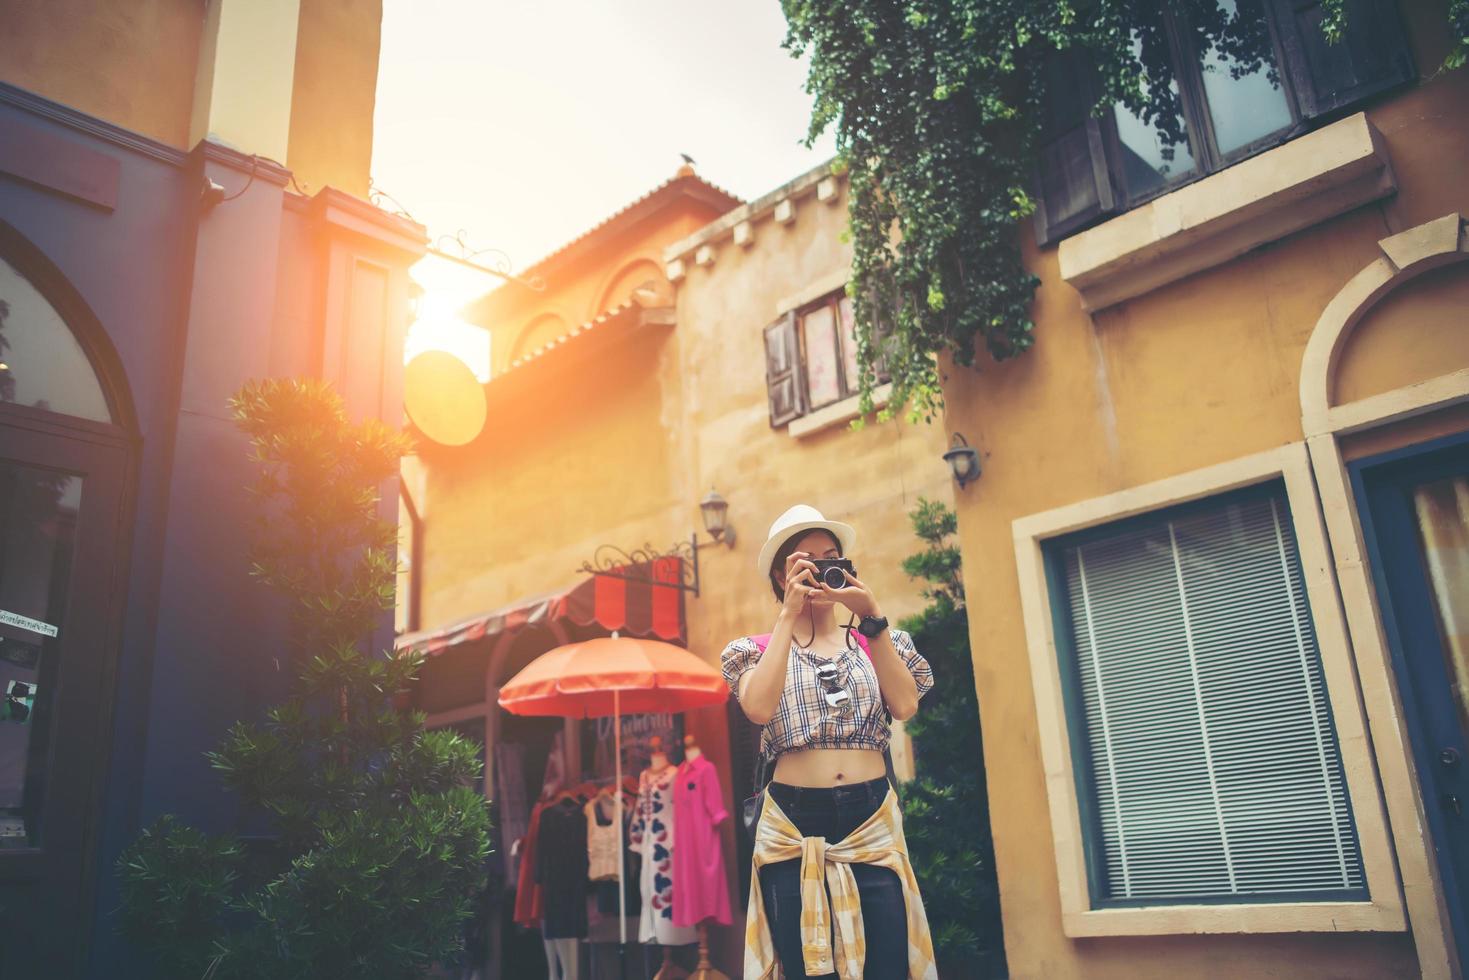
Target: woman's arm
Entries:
(899, 687)
(762, 685)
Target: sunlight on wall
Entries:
(447, 286)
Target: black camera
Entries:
(829, 571)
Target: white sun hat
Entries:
(798, 520)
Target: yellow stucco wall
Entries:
(569, 461)
(520, 319)
(135, 63)
(332, 103)
(620, 449)
(1408, 337)
(131, 62)
(1201, 371)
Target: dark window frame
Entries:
(1053, 554)
(1308, 109)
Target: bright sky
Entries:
(524, 123)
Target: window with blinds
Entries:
(1207, 764)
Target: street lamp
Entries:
(963, 460)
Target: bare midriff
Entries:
(825, 768)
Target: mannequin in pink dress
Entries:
(700, 888)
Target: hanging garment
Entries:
(602, 842)
(561, 869)
(700, 888)
(527, 891)
(652, 836)
(606, 891)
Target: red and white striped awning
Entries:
(628, 605)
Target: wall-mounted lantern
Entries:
(963, 460)
(716, 518)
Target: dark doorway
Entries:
(1415, 519)
(60, 510)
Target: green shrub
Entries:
(946, 809)
(379, 840)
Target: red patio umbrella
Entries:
(608, 676)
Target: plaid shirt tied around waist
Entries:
(826, 866)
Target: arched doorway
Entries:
(1397, 516)
(66, 429)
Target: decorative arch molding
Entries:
(54, 286)
(1405, 256)
(545, 326)
(631, 274)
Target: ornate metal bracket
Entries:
(637, 565)
(497, 263)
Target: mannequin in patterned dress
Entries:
(652, 836)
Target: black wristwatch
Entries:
(872, 625)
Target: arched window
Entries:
(67, 438)
(42, 365)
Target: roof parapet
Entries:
(820, 182)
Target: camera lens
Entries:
(833, 578)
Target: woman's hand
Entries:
(855, 595)
(801, 583)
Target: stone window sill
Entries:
(835, 414)
(1281, 191)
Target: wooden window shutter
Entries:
(1371, 57)
(783, 371)
(1073, 183)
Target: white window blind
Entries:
(1213, 771)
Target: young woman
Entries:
(826, 699)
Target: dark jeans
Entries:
(834, 813)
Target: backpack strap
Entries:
(763, 640)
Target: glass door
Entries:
(59, 515)
(1417, 524)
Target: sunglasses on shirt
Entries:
(836, 695)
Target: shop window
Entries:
(42, 365)
(1239, 77)
(1207, 764)
(811, 358)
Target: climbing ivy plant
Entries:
(937, 107)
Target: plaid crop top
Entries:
(803, 719)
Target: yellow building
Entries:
(182, 209)
(688, 343)
(1216, 560)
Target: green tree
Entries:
(946, 809)
(379, 839)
